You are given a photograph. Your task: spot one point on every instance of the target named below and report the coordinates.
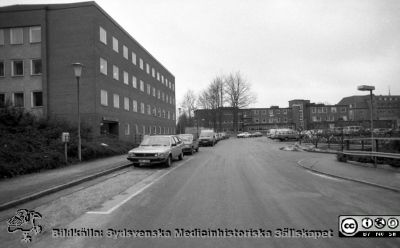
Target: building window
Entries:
(141, 85)
(148, 89)
(127, 129)
(162, 79)
(116, 101)
(103, 35)
(115, 44)
(154, 111)
(115, 72)
(148, 109)
(147, 68)
(163, 96)
(141, 63)
(1, 68)
(103, 66)
(133, 58)
(166, 98)
(313, 110)
(333, 110)
(173, 86)
(134, 106)
(125, 52)
(35, 34)
(153, 72)
(166, 82)
(343, 110)
(36, 66)
(158, 94)
(163, 114)
(126, 78)
(2, 100)
(134, 82)
(158, 76)
(104, 97)
(159, 112)
(169, 115)
(1, 37)
(18, 100)
(37, 99)
(126, 103)
(142, 108)
(16, 36)
(17, 68)
(154, 92)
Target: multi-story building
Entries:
(124, 90)
(326, 116)
(300, 117)
(262, 119)
(385, 108)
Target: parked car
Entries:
(243, 135)
(207, 138)
(285, 134)
(256, 134)
(157, 149)
(382, 131)
(191, 143)
(352, 129)
(271, 132)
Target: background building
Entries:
(124, 90)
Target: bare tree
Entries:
(189, 103)
(238, 95)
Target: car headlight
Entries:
(161, 154)
(131, 154)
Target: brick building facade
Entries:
(124, 90)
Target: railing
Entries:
(373, 148)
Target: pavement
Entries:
(28, 187)
(380, 177)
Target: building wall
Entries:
(72, 34)
(27, 83)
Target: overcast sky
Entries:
(287, 49)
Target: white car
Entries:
(243, 135)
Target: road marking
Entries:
(139, 190)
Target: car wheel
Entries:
(192, 151)
(168, 162)
(180, 156)
(197, 149)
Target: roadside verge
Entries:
(370, 176)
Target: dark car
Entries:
(207, 138)
(190, 143)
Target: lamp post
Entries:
(370, 89)
(78, 72)
(179, 120)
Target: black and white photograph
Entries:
(200, 123)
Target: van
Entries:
(207, 138)
(285, 134)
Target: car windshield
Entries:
(155, 141)
(188, 138)
(206, 134)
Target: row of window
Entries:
(325, 110)
(18, 99)
(17, 67)
(128, 104)
(149, 130)
(327, 118)
(271, 120)
(128, 79)
(270, 111)
(125, 53)
(17, 35)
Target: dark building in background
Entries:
(124, 90)
(385, 108)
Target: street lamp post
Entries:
(370, 89)
(78, 73)
(179, 120)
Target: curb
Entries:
(54, 189)
(299, 163)
(326, 152)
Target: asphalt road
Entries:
(238, 184)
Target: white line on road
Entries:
(138, 191)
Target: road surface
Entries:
(240, 184)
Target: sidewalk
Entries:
(372, 176)
(32, 186)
